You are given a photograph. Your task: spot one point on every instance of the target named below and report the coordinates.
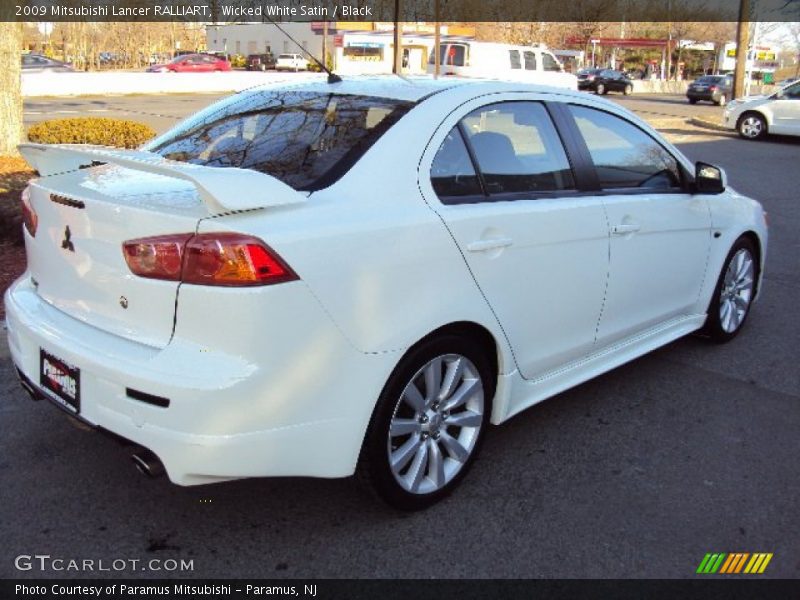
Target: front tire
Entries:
(628, 90)
(428, 424)
(733, 295)
(692, 100)
(722, 100)
(752, 126)
(600, 89)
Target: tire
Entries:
(628, 90)
(751, 126)
(733, 294)
(600, 89)
(692, 100)
(415, 424)
(722, 100)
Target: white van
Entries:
(532, 64)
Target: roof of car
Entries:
(410, 89)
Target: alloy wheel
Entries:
(436, 424)
(737, 290)
(751, 127)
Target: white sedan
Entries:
(755, 117)
(327, 279)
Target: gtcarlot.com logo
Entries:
(734, 563)
(46, 562)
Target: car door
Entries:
(499, 177)
(786, 111)
(659, 232)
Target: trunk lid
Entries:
(85, 215)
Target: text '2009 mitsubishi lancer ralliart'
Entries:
(323, 279)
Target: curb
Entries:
(706, 124)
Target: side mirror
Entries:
(709, 179)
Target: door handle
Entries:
(490, 244)
(625, 228)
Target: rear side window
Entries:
(624, 155)
(452, 172)
(514, 57)
(308, 140)
(549, 62)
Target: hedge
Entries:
(91, 130)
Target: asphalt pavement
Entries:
(638, 473)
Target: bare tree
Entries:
(10, 82)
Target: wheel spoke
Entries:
(466, 418)
(418, 468)
(404, 453)
(725, 315)
(462, 394)
(455, 370)
(404, 426)
(454, 447)
(435, 463)
(413, 398)
(433, 380)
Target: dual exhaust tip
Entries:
(147, 463)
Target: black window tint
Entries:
(452, 172)
(624, 155)
(514, 56)
(550, 63)
(306, 139)
(517, 148)
(530, 60)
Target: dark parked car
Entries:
(711, 88)
(192, 63)
(602, 81)
(260, 62)
(36, 63)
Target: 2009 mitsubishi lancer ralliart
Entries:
(359, 277)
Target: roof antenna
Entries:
(332, 77)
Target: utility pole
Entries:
(397, 67)
(742, 47)
(437, 41)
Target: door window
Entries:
(530, 60)
(515, 148)
(792, 92)
(624, 155)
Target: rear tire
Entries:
(600, 89)
(628, 90)
(733, 294)
(722, 100)
(428, 424)
(692, 100)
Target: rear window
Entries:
(287, 56)
(308, 140)
(711, 80)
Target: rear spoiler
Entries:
(221, 189)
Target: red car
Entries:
(192, 63)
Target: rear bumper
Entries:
(289, 397)
(710, 96)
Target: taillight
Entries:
(222, 259)
(29, 216)
(157, 257)
(712, 88)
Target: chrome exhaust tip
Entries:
(147, 463)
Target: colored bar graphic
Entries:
(733, 563)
